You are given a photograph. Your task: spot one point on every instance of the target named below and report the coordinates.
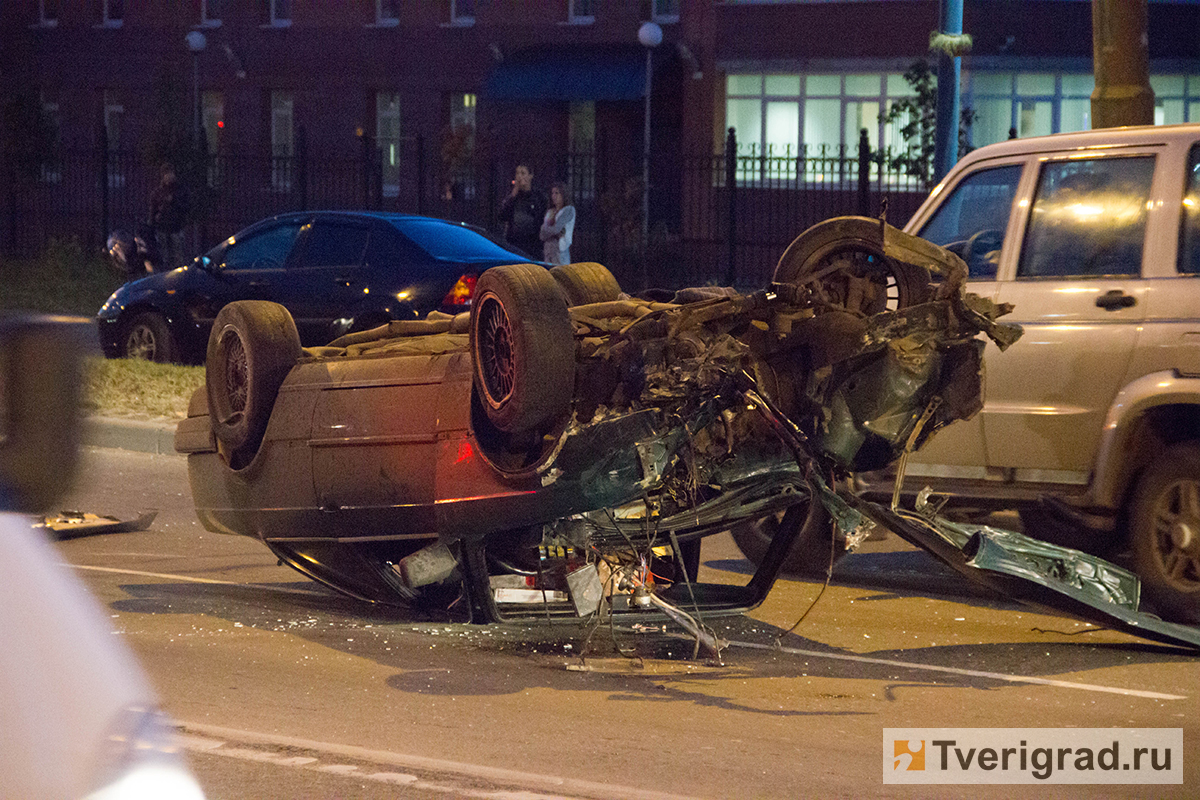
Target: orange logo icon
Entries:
(909, 755)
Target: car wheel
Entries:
(848, 269)
(810, 554)
(523, 346)
(1164, 531)
(149, 338)
(586, 282)
(252, 347)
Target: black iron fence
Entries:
(723, 218)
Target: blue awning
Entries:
(577, 73)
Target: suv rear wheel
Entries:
(1164, 531)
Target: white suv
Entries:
(1091, 423)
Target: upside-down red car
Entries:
(563, 449)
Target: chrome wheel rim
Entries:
(494, 344)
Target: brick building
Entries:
(428, 104)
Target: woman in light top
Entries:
(558, 226)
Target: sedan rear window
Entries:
(451, 242)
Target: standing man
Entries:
(168, 212)
(522, 212)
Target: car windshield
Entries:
(452, 242)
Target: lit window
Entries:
(387, 13)
(210, 13)
(462, 12)
(666, 10)
(280, 13)
(581, 12)
(48, 13)
(283, 142)
(387, 138)
(112, 13)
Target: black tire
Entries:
(1164, 533)
(856, 275)
(523, 346)
(252, 347)
(810, 553)
(148, 337)
(586, 282)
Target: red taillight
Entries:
(462, 291)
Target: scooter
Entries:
(134, 255)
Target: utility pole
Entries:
(949, 78)
(1121, 60)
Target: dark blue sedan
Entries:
(335, 271)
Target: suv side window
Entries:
(1189, 227)
(264, 250)
(972, 220)
(1088, 219)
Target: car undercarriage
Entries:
(562, 451)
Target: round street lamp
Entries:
(650, 36)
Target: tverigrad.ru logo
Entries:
(909, 755)
(1033, 755)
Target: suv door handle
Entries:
(1115, 299)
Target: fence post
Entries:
(103, 139)
(864, 174)
(420, 173)
(731, 188)
(302, 165)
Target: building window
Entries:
(47, 13)
(212, 122)
(462, 12)
(387, 13)
(210, 13)
(458, 148)
(665, 10)
(581, 133)
(283, 139)
(279, 13)
(112, 13)
(51, 171)
(114, 114)
(387, 139)
(581, 12)
(780, 117)
(1038, 103)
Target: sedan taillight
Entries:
(461, 293)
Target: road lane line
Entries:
(209, 740)
(190, 579)
(971, 673)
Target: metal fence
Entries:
(723, 218)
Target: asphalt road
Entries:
(284, 690)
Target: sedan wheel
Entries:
(1165, 533)
(148, 338)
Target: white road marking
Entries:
(190, 579)
(233, 743)
(970, 673)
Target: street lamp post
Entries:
(650, 36)
(196, 43)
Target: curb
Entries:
(142, 436)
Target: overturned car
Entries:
(563, 449)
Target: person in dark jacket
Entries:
(522, 212)
(168, 212)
